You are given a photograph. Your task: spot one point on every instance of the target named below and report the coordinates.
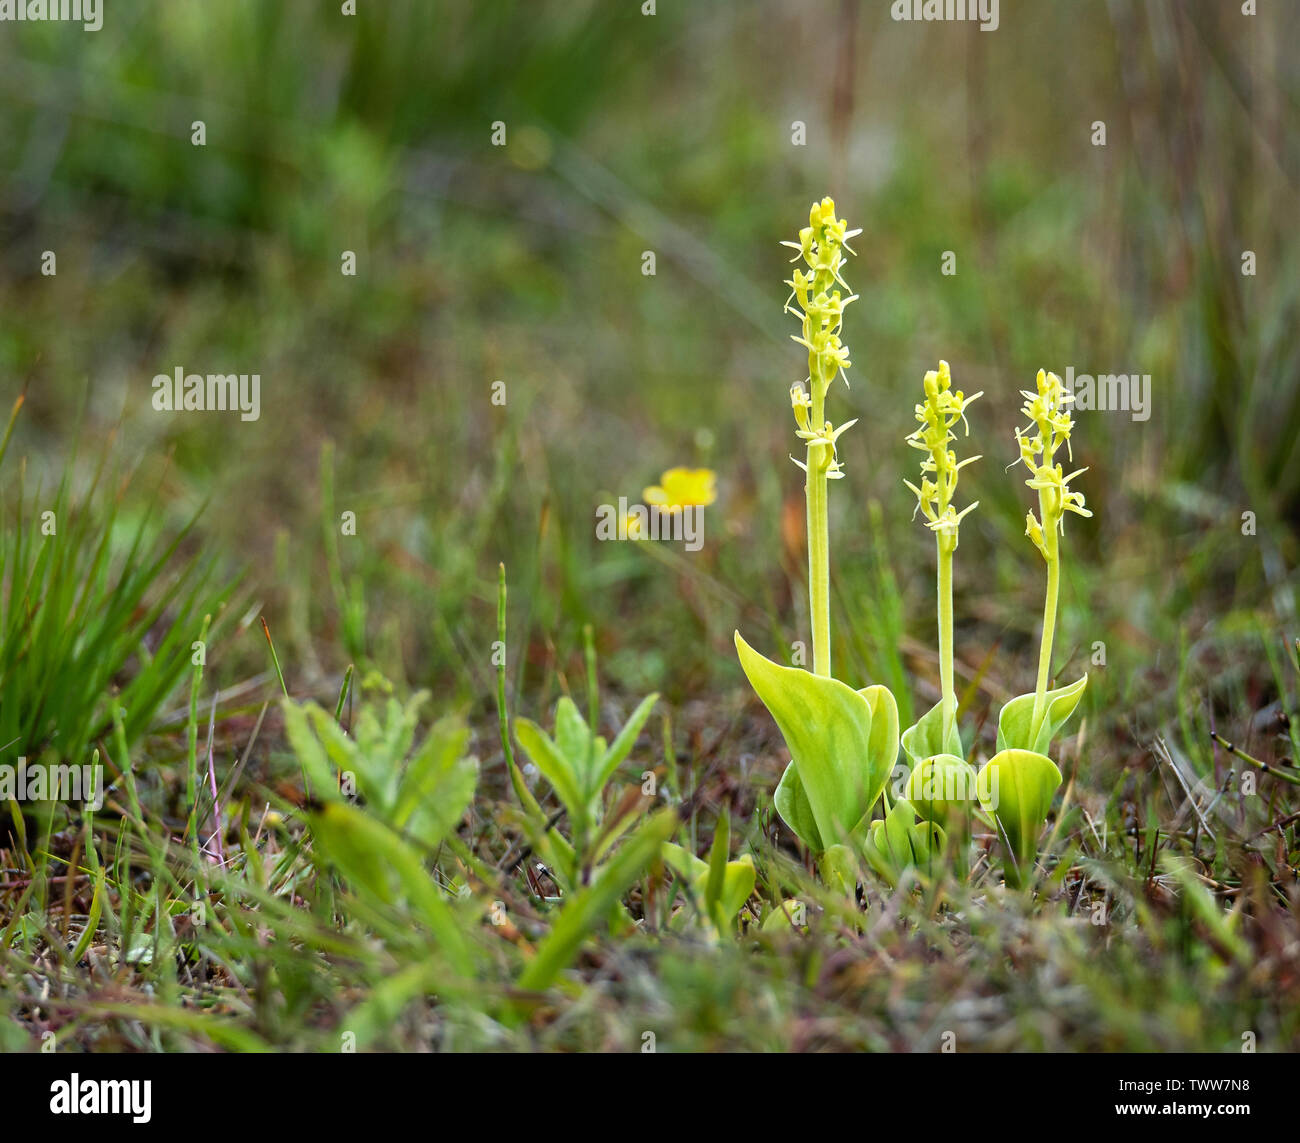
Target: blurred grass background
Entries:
(522, 264)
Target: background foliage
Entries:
(522, 264)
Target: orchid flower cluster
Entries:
(844, 743)
(1048, 410)
(938, 415)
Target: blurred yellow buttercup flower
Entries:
(680, 488)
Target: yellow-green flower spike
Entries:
(821, 246)
(938, 415)
(1048, 410)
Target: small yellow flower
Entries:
(680, 488)
(801, 403)
(1034, 531)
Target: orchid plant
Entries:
(1027, 779)
(844, 743)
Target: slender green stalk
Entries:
(1237, 752)
(946, 546)
(593, 692)
(275, 659)
(1052, 543)
(9, 428)
(819, 561)
(817, 495)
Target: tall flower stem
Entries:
(1052, 553)
(1048, 410)
(816, 492)
(819, 558)
(946, 545)
(821, 247)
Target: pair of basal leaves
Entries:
(844, 747)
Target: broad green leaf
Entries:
(556, 768)
(1016, 789)
(792, 804)
(438, 785)
(345, 838)
(441, 749)
(311, 755)
(884, 727)
(842, 758)
(375, 750)
(925, 738)
(1014, 723)
(737, 886)
(424, 797)
(573, 740)
(898, 843)
(397, 739)
(789, 914)
(367, 765)
(585, 909)
(684, 863)
(942, 789)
